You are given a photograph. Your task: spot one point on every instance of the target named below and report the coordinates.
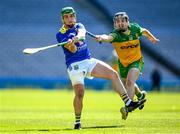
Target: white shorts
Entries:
(77, 71)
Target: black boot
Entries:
(77, 126)
(133, 105)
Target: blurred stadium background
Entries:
(34, 23)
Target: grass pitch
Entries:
(42, 111)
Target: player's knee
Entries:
(114, 75)
(79, 92)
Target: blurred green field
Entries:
(45, 111)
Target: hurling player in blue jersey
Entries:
(80, 65)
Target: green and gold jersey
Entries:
(128, 46)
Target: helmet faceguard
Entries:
(121, 14)
(123, 26)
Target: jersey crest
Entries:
(63, 30)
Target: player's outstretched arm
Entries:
(104, 38)
(150, 36)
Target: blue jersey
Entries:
(82, 52)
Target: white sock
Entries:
(128, 102)
(79, 122)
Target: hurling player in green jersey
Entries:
(125, 40)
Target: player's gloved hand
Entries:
(75, 39)
(71, 46)
(70, 43)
